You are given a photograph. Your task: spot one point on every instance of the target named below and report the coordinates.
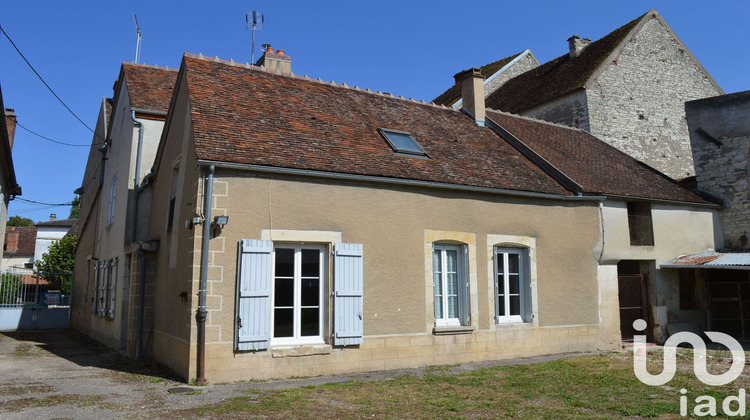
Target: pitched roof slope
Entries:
(453, 94)
(598, 167)
(245, 115)
(25, 240)
(150, 87)
(556, 77)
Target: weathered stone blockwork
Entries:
(720, 138)
(637, 104)
(522, 64)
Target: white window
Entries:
(112, 189)
(450, 285)
(512, 285)
(281, 295)
(298, 292)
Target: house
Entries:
(9, 187)
(18, 248)
(50, 232)
(125, 140)
(715, 282)
(627, 88)
(299, 227)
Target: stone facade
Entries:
(637, 102)
(720, 138)
(571, 110)
(523, 63)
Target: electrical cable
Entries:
(57, 141)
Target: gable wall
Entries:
(570, 109)
(637, 104)
(524, 64)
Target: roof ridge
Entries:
(305, 77)
(150, 66)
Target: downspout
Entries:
(200, 314)
(137, 173)
(601, 221)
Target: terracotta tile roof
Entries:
(453, 94)
(598, 167)
(149, 87)
(20, 240)
(245, 115)
(68, 223)
(556, 77)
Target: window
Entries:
(402, 142)
(298, 291)
(170, 216)
(687, 289)
(450, 285)
(105, 282)
(281, 294)
(512, 285)
(112, 189)
(639, 223)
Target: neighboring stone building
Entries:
(9, 187)
(627, 88)
(720, 137)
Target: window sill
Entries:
(460, 329)
(300, 350)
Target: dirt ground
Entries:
(58, 374)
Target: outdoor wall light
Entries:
(221, 220)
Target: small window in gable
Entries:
(402, 142)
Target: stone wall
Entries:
(525, 62)
(720, 138)
(637, 103)
(571, 110)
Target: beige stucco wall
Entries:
(678, 230)
(395, 225)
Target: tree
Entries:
(57, 264)
(75, 208)
(20, 221)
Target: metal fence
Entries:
(26, 288)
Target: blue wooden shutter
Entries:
(348, 286)
(253, 295)
(464, 306)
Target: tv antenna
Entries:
(138, 42)
(254, 21)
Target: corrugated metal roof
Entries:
(711, 259)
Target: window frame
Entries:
(112, 196)
(524, 287)
(640, 223)
(297, 338)
(462, 277)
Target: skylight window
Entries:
(402, 142)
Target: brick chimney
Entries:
(275, 60)
(11, 240)
(10, 121)
(576, 45)
(52, 217)
(472, 93)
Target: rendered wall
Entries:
(393, 224)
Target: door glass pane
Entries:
(515, 305)
(514, 284)
(284, 262)
(310, 292)
(513, 263)
(310, 263)
(501, 306)
(451, 279)
(284, 292)
(310, 324)
(282, 322)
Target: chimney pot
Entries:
(275, 62)
(52, 217)
(279, 52)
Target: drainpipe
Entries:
(137, 173)
(200, 314)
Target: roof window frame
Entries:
(385, 131)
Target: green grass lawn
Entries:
(583, 387)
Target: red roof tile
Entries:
(150, 87)
(596, 166)
(20, 240)
(556, 77)
(245, 115)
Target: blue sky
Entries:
(409, 48)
